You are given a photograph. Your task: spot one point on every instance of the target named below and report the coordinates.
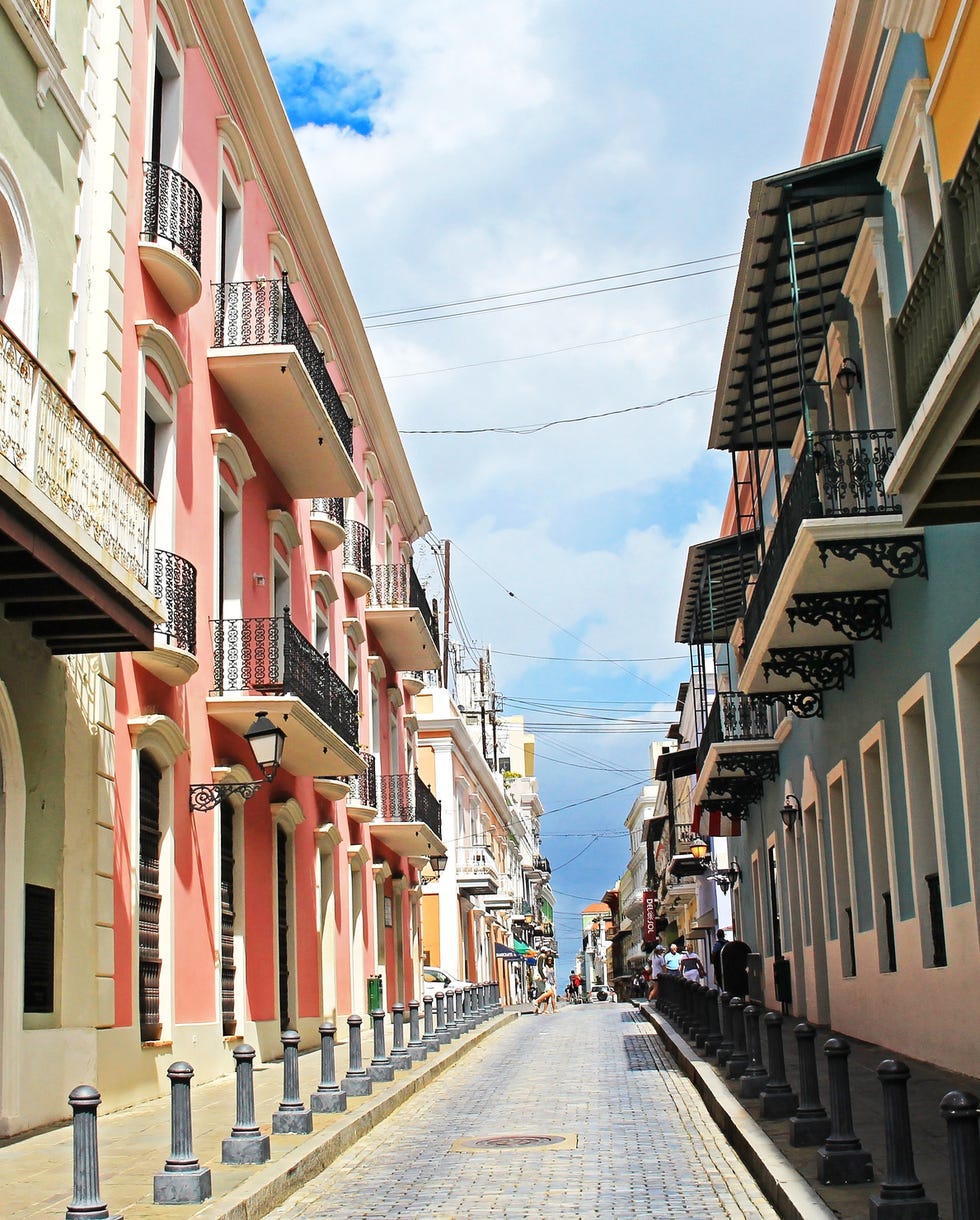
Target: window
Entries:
(877, 808)
(839, 865)
(909, 170)
(39, 936)
(18, 265)
(150, 961)
(163, 141)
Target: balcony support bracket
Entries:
(745, 789)
(207, 796)
(857, 616)
(761, 764)
(896, 557)
(822, 668)
(804, 704)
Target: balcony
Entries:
(937, 357)
(542, 866)
(400, 618)
(74, 520)
(173, 658)
(170, 243)
(265, 360)
(476, 871)
(267, 664)
(410, 821)
(327, 521)
(362, 798)
(414, 681)
(357, 559)
(836, 548)
(738, 750)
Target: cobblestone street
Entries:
(636, 1140)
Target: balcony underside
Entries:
(739, 760)
(177, 279)
(408, 838)
(878, 550)
(936, 469)
(311, 748)
(474, 884)
(66, 597)
(171, 665)
(329, 533)
(271, 390)
(404, 637)
(498, 902)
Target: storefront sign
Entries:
(649, 916)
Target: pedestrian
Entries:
(672, 961)
(692, 967)
(720, 943)
(657, 968)
(548, 995)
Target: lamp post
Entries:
(790, 811)
(265, 740)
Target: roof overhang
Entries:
(713, 592)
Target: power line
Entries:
(523, 292)
(589, 799)
(531, 656)
(530, 429)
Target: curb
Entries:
(789, 1193)
(273, 1184)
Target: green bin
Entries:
(376, 993)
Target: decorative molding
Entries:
(354, 630)
(371, 466)
(381, 870)
(823, 668)
(395, 697)
(804, 704)
(376, 665)
(231, 135)
(857, 616)
(897, 557)
(288, 813)
(322, 582)
(912, 16)
(284, 524)
(327, 837)
(161, 735)
(746, 789)
(231, 449)
(180, 18)
(159, 345)
(357, 856)
(760, 764)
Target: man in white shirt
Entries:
(672, 961)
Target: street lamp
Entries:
(790, 810)
(848, 375)
(698, 848)
(265, 740)
(438, 863)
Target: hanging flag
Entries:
(711, 822)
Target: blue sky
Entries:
(470, 151)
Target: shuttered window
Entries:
(282, 897)
(151, 1026)
(228, 1016)
(38, 949)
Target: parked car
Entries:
(601, 992)
(434, 979)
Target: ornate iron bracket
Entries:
(733, 807)
(896, 557)
(857, 616)
(207, 796)
(742, 788)
(802, 703)
(823, 668)
(762, 764)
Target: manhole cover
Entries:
(499, 1143)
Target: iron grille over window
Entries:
(363, 789)
(150, 963)
(172, 211)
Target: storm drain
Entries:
(503, 1143)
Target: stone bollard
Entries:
(727, 1044)
(442, 1029)
(902, 1196)
(357, 1082)
(498, 1007)
(458, 1011)
(430, 1037)
(469, 1007)
(329, 1097)
(777, 1098)
(401, 1056)
(86, 1201)
(380, 1069)
(416, 1047)
(700, 1030)
(810, 1125)
(246, 1145)
(755, 1077)
(841, 1160)
(453, 1026)
(713, 1038)
(292, 1117)
(183, 1180)
(963, 1140)
(738, 1060)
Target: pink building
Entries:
(249, 402)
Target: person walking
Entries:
(692, 968)
(657, 968)
(548, 995)
(672, 961)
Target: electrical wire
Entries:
(531, 656)
(589, 799)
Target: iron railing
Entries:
(542, 864)
(250, 313)
(735, 717)
(405, 798)
(428, 808)
(172, 211)
(839, 474)
(357, 548)
(331, 507)
(57, 450)
(271, 656)
(175, 586)
(477, 860)
(363, 789)
(396, 584)
(944, 288)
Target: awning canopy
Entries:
(799, 239)
(672, 764)
(713, 593)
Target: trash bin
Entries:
(782, 979)
(376, 993)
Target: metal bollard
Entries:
(86, 1200)
(452, 1017)
(246, 1145)
(902, 1196)
(469, 1007)
(738, 1060)
(429, 1036)
(841, 1160)
(416, 1047)
(777, 1097)
(380, 1069)
(357, 1082)
(810, 1125)
(401, 1056)
(963, 1140)
(442, 1029)
(755, 1076)
(329, 1097)
(727, 1044)
(183, 1180)
(713, 1037)
(292, 1117)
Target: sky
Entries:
(472, 159)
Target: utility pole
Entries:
(445, 614)
(483, 708)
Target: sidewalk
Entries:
(36, 1171)
(927, 1086)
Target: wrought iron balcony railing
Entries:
(250, 313)
(331, 507)
(735, 717)
(428, 808)
(357, 548)
(363, 789)
(476, 860)
(839, 474)
(271, 656)
(944, 287)
(542, 864)
(405, 798)
(45, 437)
(172, 211)
(175, 586)
(396, 584)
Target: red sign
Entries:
(649, 916)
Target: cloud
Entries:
(318, 93)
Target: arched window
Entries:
(18, 263)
